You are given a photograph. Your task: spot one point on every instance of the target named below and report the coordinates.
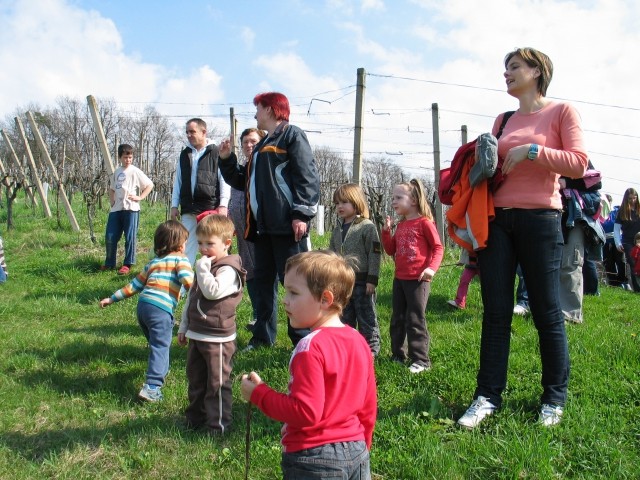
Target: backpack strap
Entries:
(505, 119)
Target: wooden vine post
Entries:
(102, 140)
(45, 153)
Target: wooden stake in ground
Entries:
(102, 140)
(45, 153)
(22, 177)
(34, 170)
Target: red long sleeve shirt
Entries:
(332, 391)
(415, 246)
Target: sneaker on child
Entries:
(550, 415)
(521, 310)
(480, 408)
(454, 304)
(150, 393)
(417, 368)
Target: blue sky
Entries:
(199, 58)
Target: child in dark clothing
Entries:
(357, 237)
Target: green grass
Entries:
(70, 372)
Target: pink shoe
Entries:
(455, 305)
(124, 270)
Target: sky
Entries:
(202, 58)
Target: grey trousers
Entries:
(571, 275)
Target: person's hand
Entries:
(371, 289)
(134, 198)
(224, 211)
(620, 248)
(514, 156)
(427, 275)
(224, 150)
(105, 301)
(174, 213)
(182, 339)
(387, 223)
(249, 383)
(299, 229)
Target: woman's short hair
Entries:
(277, 101)
(535, 58)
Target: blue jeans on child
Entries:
(345, 460)
(124, 221)
(157, 327)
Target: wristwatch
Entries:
(533, 152)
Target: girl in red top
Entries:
(417, 252)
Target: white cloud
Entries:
(298, 77)
(372, 5)
(50, 48)
(248, 36)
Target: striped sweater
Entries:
(160, 281)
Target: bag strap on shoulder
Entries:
(505, 119)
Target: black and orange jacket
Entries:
(286, 182)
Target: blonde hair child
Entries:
(417, 251)
(356, 236)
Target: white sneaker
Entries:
(454, 304)
(417, 368)
(521, 310)
(150, 393)
(550, 415)
(479, 409)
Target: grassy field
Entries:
(70, 372)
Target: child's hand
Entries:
(182, 339)
(371, 289)
(427, 275)
(387, 223)
(105, 301)
(249, 382)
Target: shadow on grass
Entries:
(82, 368)
(107, 330)
(39, 447)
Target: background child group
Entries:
(345, 297)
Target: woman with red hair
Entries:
(282, 190)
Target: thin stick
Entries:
(247, 444)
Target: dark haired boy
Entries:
(128, 186)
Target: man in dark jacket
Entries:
(282, 189)
(198, 185)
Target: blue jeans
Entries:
(272, 252)
(122, 222)
(157, 327)
(344, 460)
(522, 298)
(533, 239)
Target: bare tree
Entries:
(332, 173)
(380, 176)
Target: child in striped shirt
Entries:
(159, 286)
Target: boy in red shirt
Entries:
(330, 410)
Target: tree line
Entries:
(68, 131)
